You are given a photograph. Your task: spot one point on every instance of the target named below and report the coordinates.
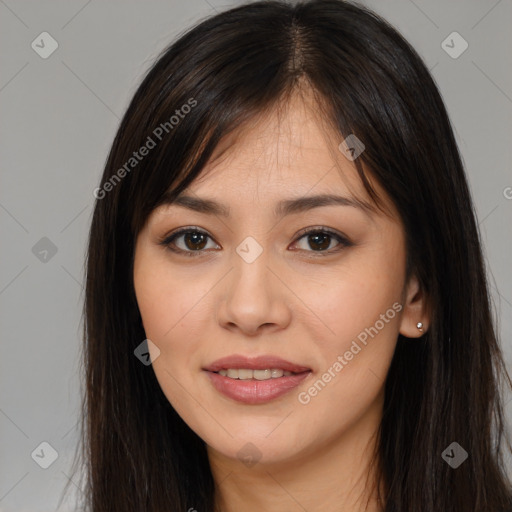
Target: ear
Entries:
(414, 310)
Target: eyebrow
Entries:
(282, 208)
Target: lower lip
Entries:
(255, 391)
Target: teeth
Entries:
(245, 374)
(262, 374)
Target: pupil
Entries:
(194, 239)
(321, 240)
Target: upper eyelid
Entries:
(301, 233)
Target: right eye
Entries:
(193, 241)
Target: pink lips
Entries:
(255, 391)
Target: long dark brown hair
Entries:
(138, 453)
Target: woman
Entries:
(284, 231)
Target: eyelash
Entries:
(343, 241)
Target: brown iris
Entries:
(195, 241)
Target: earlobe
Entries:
(414, 320)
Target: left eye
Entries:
(195, 241)
(320, 240)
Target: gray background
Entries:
(58, 119)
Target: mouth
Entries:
(248, 374)
(255, 380)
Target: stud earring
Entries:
(419, 325)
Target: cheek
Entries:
(361, 308)
(349, 301)
(363, 324)
(169, 304)
(354, 361)
(173, 318)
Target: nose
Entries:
(253, 299)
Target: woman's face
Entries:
(247, 283)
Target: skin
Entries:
(291, 302)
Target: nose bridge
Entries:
(253, 295)
(251, 261)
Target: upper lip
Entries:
(255, 363)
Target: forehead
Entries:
(290, 149)
(278, 160)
